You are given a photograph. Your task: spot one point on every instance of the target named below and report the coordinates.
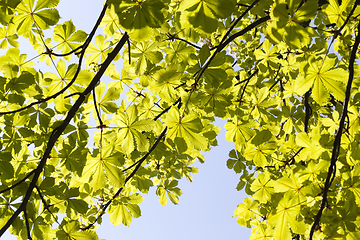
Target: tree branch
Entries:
(97, 110)
(248, 79)
(167, 109)
(337, 141)
(242, 32)
(59, 130)
(27, 225)
(307, 111)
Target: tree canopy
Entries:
(282, 73)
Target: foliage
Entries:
(283, 74)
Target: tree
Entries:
(283, 73)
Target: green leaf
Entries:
(188, 128)
(203, 15)
(323, 79)
(130, 130)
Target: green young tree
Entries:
(283, 74)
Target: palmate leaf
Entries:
(264, 187)
(54, 83)
(71, 230)
(67, 37)
(102, 167)
(185, 130)
(99, 53)
(105, 100)
(324, 79)
(139, 17)
(285, 217)
(122, 211)
(165, 83)
(287, 25)
(262, 232)
(203, 15)
(337, 14)
(43, 15)
(239, 131)
(178, 52)
(246, 210)
(169, 189)
(144, 53)
(130, 130)
(14, 62)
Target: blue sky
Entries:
(206, 207)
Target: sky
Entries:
(207, 205)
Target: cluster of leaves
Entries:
(282, 72)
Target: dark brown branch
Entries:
(138, 164)
(247, 82)
(277, 74)
(73, 94)
(349, 15)
(307, 111)
(19, 182)
(128, 42)
(248, 79)
(27, 225)
(97, 110)
(166, 109)
(337, 141)
(189, 43)
(46, 206)
(59, 130)
(82, 54)
(242, 32)
(292, 159)
(65, 54)
(223, 41)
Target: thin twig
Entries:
(292, 159)
(19, 182)
(138, 164)
(277, 74)
(189, 43)
(167, 109)
(248, 79)
(96, 109)
(47, 206)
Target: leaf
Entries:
(166, 80)
(324, 80)
(188, 128)
(68, 38)
(203, 14)
(130, 130)
(103, 166)
(138, 17)
(285, 217)
(263, 186)
(303, 140)
(43, 15)
(119, 214)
